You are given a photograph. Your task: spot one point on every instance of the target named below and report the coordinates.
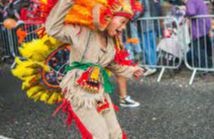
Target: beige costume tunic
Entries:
(87, 46)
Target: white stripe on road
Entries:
(3, 137)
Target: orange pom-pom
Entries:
(132, 40)
(9, 23)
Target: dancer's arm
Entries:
(125, 71)
(55, 26)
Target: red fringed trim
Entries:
(67, 109)
(44, 9)
(124, 135)
(23, 14)
(120, 58)
(103, 106)
(132, 2)
(105, 16)
(111, 3)
(38, 13)
(127, 15)
(121, 54)
(84, 77)
(116, 108)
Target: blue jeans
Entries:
(148, 41)
(133, 33)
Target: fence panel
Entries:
(9, 40)
(4, 43)
(201, 54)
(159, 42)
(162, 42)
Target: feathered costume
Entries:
(80, 82)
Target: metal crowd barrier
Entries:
(201, 54)
(163, 43)
(9, 40)
(6, 43)
(155, 49)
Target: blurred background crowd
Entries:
(13, 8)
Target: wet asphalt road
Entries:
(169, 110)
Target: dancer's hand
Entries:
(138, 72)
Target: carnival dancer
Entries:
(92, 29)
(86, 85)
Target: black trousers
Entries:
(201, 51)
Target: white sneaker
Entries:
(150, 72)
(128, 102)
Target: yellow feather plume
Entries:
(38, 50)
(53, 98)
(33, 91)
(29, 71)
(30, 81)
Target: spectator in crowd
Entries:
(133, 31)
(125, 100)
(175, 2)
(212, 2)
(19, 4)
(147, 35)
(212, 6)
(11, 11)
(152, 8)
(1, 11)
(3, 4)
(201, 49)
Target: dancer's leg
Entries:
(92, 122)
(114, 128)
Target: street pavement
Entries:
(170, 109)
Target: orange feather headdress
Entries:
(95, 14)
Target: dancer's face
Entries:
(117, 25)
